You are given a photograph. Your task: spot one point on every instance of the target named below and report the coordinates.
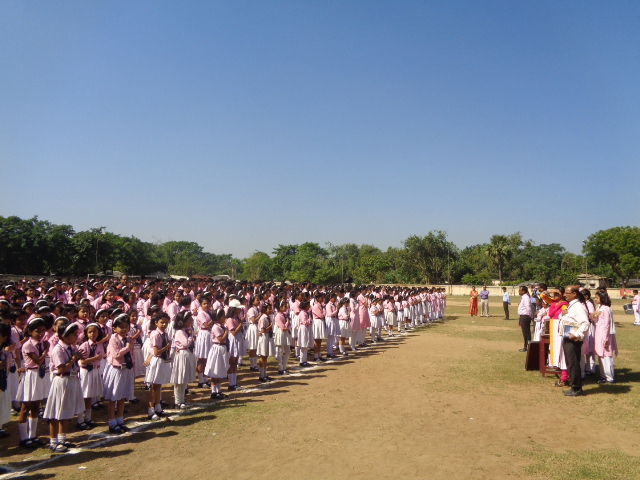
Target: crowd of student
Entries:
(69, 347)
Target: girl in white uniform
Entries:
(345, 324)
(159, 371)
(184, 360)
(251, 335)
(5, 397)
(203, 340)
(266, 344)
(218, 361)
(65, 398)
(283, 339)
(90, 379)
(31, 390)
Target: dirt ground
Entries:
(431, 404)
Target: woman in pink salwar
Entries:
(605, 344)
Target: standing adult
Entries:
(473, 302)
(636, 307)
(484, 302)
(506, 301)
(524, 312)
(574, 323)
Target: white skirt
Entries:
(203, 344)
(305, 337)
(236, 342)
(184, 367)
(65, 398)
(159, 371)
(118, 384)
(376, 321)
(319, 329)
(91, 383)
(251, 336)
(31, 387)
(333, 326)
(13, 380)
(295, 325)
(138, 361)
(266, 346)
(345, 328)
(283, 338)
(218, 362)
(5, 407)
(390, 317)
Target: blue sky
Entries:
(244, 125)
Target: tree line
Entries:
(33, 247)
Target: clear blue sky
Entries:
(244, 125)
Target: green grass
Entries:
(591, 465)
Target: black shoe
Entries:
(124, 428)
(187, 392)
(232, 388)
(254, 369)
(91, 424)
(320, 359)
(163, 403)
(133, 401)
(28, 443)
(573, 393)
(82, 426)
(38, 442)
(161, 413)
(3, 434)
(286, 372)
(117, 430)
(268, 378)
(220, 396)
(262, 379)
(280, 372)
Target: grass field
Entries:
(451, 400)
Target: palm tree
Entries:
(500, 251)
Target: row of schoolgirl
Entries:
(224, 335)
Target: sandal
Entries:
(559, 384)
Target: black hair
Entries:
(121, 321)
(48, 320)
(95, 325)
(604, 298)
(185, 301)
(73, 328)
(304, 305)
(5, 331)
(265, 307)
(523, 287)
(34, 325)
(181, 319)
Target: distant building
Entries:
(593, 282)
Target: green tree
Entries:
(501, 250)
(426, 258)
(617, 247)
(257, 267)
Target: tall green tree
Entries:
(427, 258)
(617, 247)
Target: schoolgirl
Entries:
(90, 379)
(294, 311)
(236, 340)
(375, 314)
(390, 314)
(31, 389)
(345, 324)
(405, 313)
(332, 324)
(135, 334)
(118, 380)
(159, 365)
(217, 364)
(5, 398)
(318, 312)
(12, 350)
(203, 339)
(65, 399)
(252, 333)
(184, 360)
(266, 344)
(305, 333)
(541, 317)
(283, 338)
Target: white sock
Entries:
(81, 417)
(119, 421)
(201, 378)
(23, 428)
(254, 362)
(87, 415)
(33, 427)
(150, 412)
(157, 408)
(341, 346)
(230, 378)
(303, 355)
